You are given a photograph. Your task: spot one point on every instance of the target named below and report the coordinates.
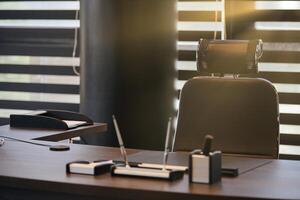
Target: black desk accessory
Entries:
(49, 119)
(59, 147)
(89, 168)
(137, 171)
(204, 165)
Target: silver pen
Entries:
(122, 148)
(166, 152)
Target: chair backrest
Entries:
(241, 113)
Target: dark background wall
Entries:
(128, 53)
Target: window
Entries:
(36, 56)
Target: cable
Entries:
(24, 141)
(75, 45)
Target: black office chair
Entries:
(241, 113)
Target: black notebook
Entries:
(231, 165)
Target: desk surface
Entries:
(28, 167)
(51, 135)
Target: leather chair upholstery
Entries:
(241, 113)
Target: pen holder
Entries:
(205, 168)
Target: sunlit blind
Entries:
(277, 23)
(36, 56)
(196, 19)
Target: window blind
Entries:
(277, 23)
(36, 61)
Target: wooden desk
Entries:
(51, 135)
(34, 172)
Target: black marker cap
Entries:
(207, 144)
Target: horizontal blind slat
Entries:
(33, 35)
(37, 69)
(39, 60)
(39, 24)
(39, 5)
(39, 97)
(200, 6)
(37, 14)
(268, 35)
(35, 105)
(196, 35)
(198, 16)
(30, 49)
(268, 56)
(277, 5)
(198, 26)
(291, 119)
(43, 88)
(289, 98)
(38, 78)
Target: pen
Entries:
(166, 152)
(122, 148)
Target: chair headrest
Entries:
(228, 56)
